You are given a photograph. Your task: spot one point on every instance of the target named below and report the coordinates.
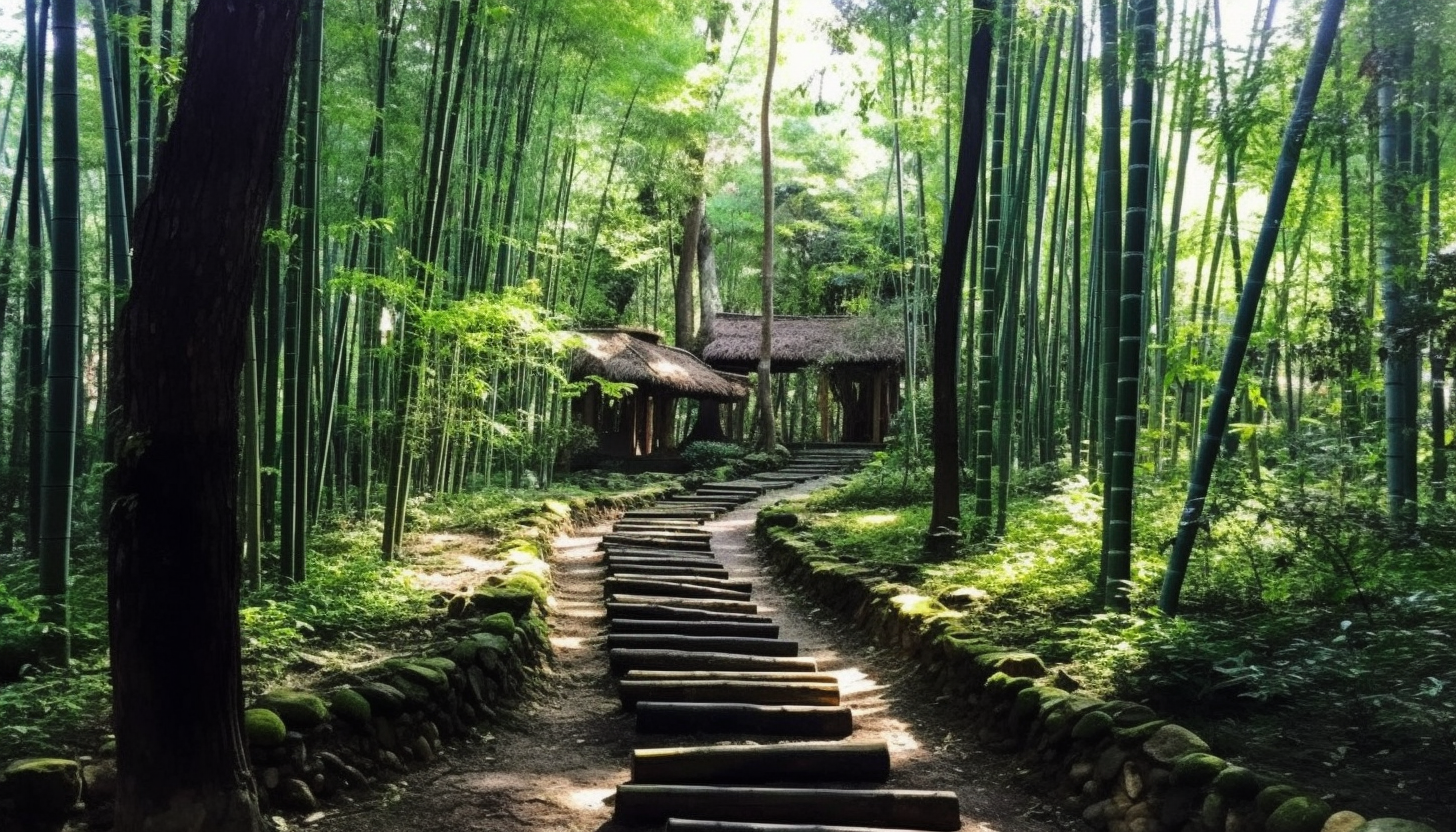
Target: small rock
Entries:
(1171, 742)
(313, 818)
(384, 732)
(271, 778)
(1064, 681)
(1392, 825)
(1132, 781)
(422, 750)
(100, 780)
(299, 710)
(1299, 814)
(296, 795)
(391, 761)
(1346, 821)
(43, 788)
(263, 727)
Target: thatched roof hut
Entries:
(635, 356)
(806, 340)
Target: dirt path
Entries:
(556, 764)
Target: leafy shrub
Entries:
(704, 455)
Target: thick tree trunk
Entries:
(946, 507)
(174, 566)
(683, 334)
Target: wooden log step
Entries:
(677, 612)
(625, 659)
(739, 718)
(730, 584)
(634, 691)
(730, 500)
(673, 513)
(847, 762)
(662, 527)
(657, 540)
(661, 570)
(615, 559)
(720, 605)
(737, 629)
(704, 644)
(650, 803)
(655, 526)
(652, 552)
(745, 490)
(680, 825)
(732, 675)
(670, 589)
(693, 534)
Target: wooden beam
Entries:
(624, 659)
(654, 804)
(705, 604)
(737, 629)
(634, 691)
(796, 761)
(738, 718)
(704, 644)
(677, 612)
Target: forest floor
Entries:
(554, 764)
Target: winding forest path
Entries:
(556, 762)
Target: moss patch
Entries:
(263, 728)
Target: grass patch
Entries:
(352, 604)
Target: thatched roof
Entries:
(636, 357)
(804, 340)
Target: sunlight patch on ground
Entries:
(876, 519)
(589, 798)
(567, 642)
(476, 564)
(853, 680)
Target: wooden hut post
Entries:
(823, 408)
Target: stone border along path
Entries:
(698, 661)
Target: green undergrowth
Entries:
(352, 604)
(1296, 598)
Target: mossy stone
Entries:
(415, 694)
(1137, 734)
(1236, 782)
(440, 663)
(1345, 821)
(500, 624)
(1393, 825)
(1299, 814)
(350, 706)
(1171, 742)
(522, 581)
(492, 600)
(263, 727)
(300, 710)
(421, 674)
(1033, 700)
(1012, 663)
(1197, 769)
(1093, 725)
(385, 699)
(42, 787)
(1128, 714)
(1275, 796)
(1002, 685)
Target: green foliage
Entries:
(706, 455)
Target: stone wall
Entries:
(1117, 763)
(354, 733)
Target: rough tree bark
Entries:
(173, 545)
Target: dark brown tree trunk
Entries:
(174, 566)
